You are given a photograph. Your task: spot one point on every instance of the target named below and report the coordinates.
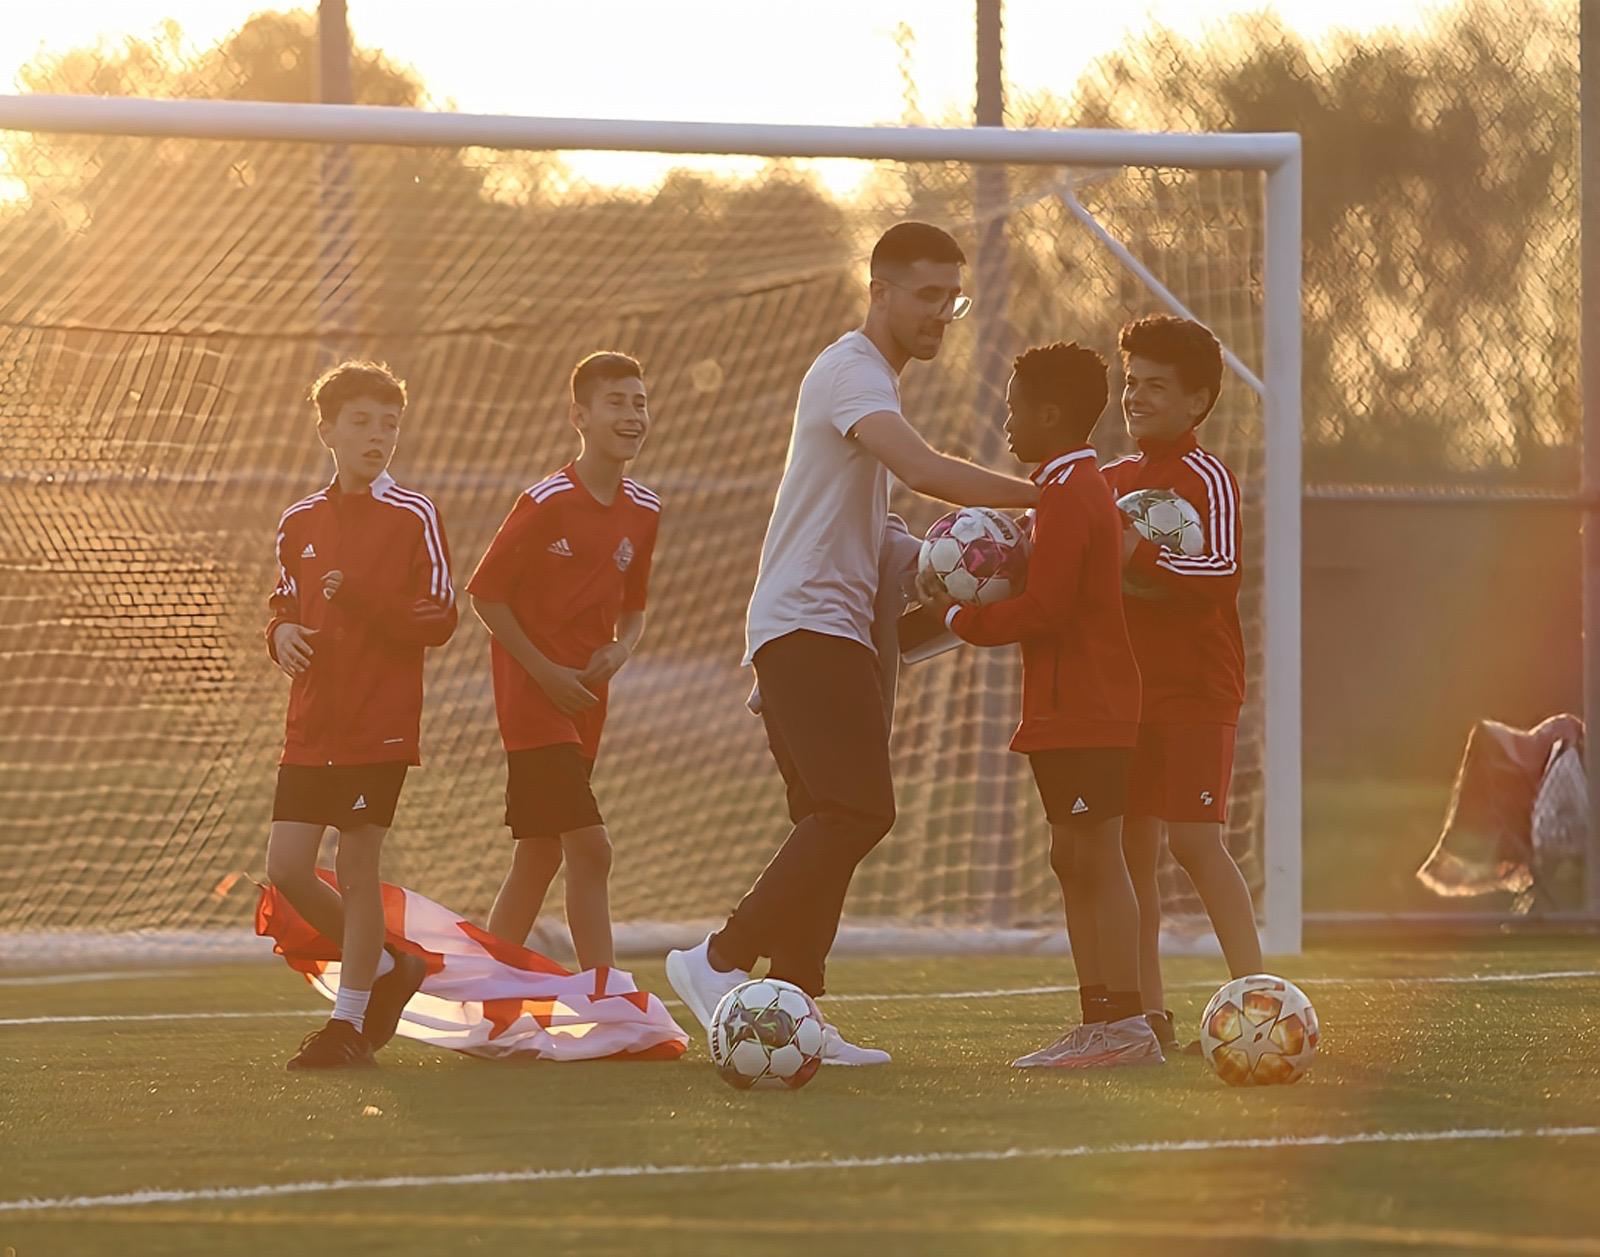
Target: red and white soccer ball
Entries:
(766, 1034)
(1258, 1031)
(979, 555)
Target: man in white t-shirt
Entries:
(809, 631)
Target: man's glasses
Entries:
(956, 306)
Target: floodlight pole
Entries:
(1589, 356)
(991, 284)
(336, 191)
(991, 279)
(996, 820)
(333, 53)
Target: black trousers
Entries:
(822, 703)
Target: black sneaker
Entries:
(337, 1045)
(390, 994)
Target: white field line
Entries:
(1429, 979)
(109, 975)
(557, 1174)
(447, 1216)
(86, 1019)
(1211, 984)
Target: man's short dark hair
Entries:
(599, 367)
(911, 242)
(1067, 375)
(353, 378)
(1183, 344)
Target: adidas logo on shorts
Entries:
(360, 804)
(562, 547)
(310, 552)
(1080, 807)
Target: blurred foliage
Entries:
(1441, 224)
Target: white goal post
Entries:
(1277, 156)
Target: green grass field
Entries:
(1432, 1120)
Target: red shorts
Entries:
(1182, 772)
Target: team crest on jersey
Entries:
(624, 555)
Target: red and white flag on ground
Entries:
(486, 997)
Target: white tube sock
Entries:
(351, 1005)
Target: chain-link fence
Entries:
(1441, 331)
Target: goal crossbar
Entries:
(374, 124)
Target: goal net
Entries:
(168, 298)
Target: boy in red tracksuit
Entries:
(363, 589)
(1080, 695)
(1183, 617)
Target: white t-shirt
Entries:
(819, 562)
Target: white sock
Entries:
(351, 1005)
(385, 964)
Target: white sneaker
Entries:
(698, 985)
(838, 1050)
(1130, 1041)
(1050, 1053)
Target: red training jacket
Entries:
(1187, 638)
(360, 701)
(1080, 685)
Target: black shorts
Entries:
(341, 795)
(547, 792)
(1082, 785)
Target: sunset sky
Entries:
(827, 61)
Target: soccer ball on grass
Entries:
(766, 1034)
(1259, 1031)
